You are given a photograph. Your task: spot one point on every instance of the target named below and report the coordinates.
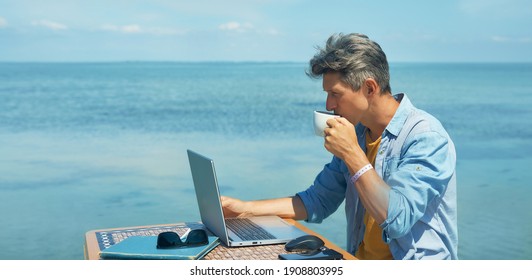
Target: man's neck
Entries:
(382, 110)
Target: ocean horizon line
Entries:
(254, 62)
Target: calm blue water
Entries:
(88, 146)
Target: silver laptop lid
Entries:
(208, 194)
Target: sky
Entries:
(262, 30)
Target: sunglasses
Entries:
(171, 240)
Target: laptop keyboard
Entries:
(247, 230)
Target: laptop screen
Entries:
(208, 194)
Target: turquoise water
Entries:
(85, 146)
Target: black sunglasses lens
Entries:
(168, 239)
(197, 237)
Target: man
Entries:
(395, 169)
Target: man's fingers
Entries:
(342, 120)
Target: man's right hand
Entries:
(235, 208)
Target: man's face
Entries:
(342, 99)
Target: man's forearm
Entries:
(374, 193)
(286, 207)
(372, 190)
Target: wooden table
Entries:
(266, 252)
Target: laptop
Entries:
(233, 232)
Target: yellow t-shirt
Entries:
(372, 247)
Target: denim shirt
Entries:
(417, 159)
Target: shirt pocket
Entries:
(390, 166)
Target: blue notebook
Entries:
(144, 248)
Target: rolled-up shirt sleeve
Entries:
(417, 178)
(326, 194)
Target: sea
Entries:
(87, 146)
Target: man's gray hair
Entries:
(355, 57)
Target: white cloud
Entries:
(137, 29)
(236, 26)
(131, 28)
(49, 24)
(3, 22)
(272, 31)
(500, 39)
(166, 31)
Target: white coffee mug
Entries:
(320, 121)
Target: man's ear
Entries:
(372, 86)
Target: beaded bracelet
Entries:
(360, 172)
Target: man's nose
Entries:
(330, 104)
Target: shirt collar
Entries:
(400, 116)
